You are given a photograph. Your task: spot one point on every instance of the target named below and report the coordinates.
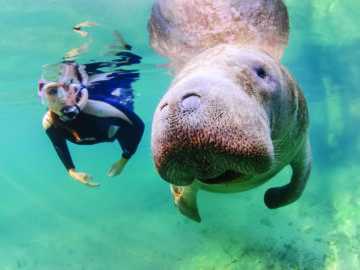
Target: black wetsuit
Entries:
(95, 129)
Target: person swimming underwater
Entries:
(86, 111)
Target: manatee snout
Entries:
(199, 134)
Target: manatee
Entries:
(232, 118)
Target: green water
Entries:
(50, 222)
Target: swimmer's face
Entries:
(60, 95)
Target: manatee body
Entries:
(229, 123)
(181, 29)
(233, 116)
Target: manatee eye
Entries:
(261, 73)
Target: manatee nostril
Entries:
(261, 72)
(163, 106)
(190, 101)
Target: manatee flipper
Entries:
(185, 200)
(301, 166)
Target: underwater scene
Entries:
(48, 221)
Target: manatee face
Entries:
(216, 122)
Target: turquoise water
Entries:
(50, 222)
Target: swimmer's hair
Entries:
(41, 84)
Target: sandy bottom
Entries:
(136, 226)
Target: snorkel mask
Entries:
(65, 98)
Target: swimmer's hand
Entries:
(117, 167)
(82, 178)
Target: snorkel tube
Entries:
(70, 112)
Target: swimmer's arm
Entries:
(136, 131)
(127, 119)
(117, 167)
(63, 152)
(129, 147)
(61, 147)
(129, 143)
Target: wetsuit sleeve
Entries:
(61, 147)
(130, 137)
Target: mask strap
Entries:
(83, 78)
(84, 97)
(81, 75)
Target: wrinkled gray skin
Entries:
(181, 29)
(232, 119)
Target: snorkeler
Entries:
(87, 106)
